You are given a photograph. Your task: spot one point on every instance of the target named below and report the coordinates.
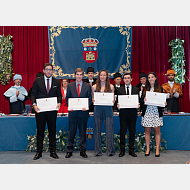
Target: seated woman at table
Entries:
(64, 84)
(152, 116)
(103, 113)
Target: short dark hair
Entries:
(48, 64)
(127, 74)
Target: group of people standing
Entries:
(47, 86)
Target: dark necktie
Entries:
(127, 90)
(47, 86)
(78, 92)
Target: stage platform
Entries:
(13, 130)
(23, 157)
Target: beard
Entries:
(171, 79)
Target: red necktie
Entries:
(47, 86)
(78, 92)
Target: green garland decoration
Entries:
(177, 60)
(6, 70)
(62, 138)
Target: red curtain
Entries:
(150, 52)
(30, 52)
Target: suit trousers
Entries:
(103, 113)
(41, 120)
(81, 122)
(130, 123)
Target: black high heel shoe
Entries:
(148, 153)
(157, 155)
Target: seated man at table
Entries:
(16, 95)
(173, 91)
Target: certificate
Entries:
(103, 98)
(128, 101)
(155, 99)
(47, 104)
(78, 103)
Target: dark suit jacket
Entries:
(87, 80)
(86, 92)
(128, 111)
(115, 104)
(39, 90)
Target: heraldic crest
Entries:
(90, 53)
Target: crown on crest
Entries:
(89, 42)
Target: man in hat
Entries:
(117, 85)
(16, 95)
(92, 81)
(143, 77)
(173, 90)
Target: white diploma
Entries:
(78, 103)
(47, 104)
(103, 98)
(128, 101)
(155, 99)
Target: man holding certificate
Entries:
(46, 99)
(79, 98)
(128, 102)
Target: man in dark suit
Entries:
(117, 85)
(79, 117)
(92, 81)
(128, 116)
(46, 87)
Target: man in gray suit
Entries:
(80, 117)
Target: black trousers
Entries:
(41, 120)
(82, 124)
(127, 122)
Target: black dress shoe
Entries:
(121, 154)
(54, 155)
(132, 154)
(110, 154)
(83, 154)
(147, 154)
(37, 156)
(68, 155)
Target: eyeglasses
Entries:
(48, 69)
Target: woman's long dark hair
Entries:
(107, 82)
(157, 87)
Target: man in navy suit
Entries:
(80, 117)
(46, 87)
(128, 116)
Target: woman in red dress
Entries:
(64, 84)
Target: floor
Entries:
(22, 157)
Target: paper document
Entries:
(155, 99)
(47, 104)
(128, 101)
(103, 98)
(78, 103)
